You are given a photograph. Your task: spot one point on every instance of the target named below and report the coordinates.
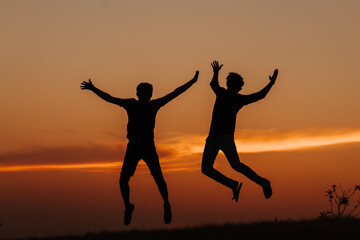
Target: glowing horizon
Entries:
(183, 147)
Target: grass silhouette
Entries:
(339, 200)
(302, 229)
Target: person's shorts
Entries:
(214, 144)
(136, 152)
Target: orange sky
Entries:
(59, 144)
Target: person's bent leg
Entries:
(231, 154)
(207, 165)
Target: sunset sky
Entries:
(61, 148)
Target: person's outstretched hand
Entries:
(87, 85)
(195, 78)
(274, 76)
(215, 66)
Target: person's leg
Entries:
(125, 193)
(125, 189)
(129, 165)
(151, 159)
(229, 149)
(207, 165)
(161, 184)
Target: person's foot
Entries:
(128, 212)
(267, 189)
(236, 191)
(167, 213)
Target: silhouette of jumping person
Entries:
(140, 133)
(221, 136)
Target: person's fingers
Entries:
(275, 74)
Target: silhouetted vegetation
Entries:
(339, 200)
(304, 229)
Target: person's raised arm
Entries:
(215, 86)
(167, 98)
(107, 97)
(263, 92)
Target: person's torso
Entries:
(224, 114)
(141, 120)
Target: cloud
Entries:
(90, 153)
(62, 155)
(179, 153)
(249, 141)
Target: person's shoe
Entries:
(236, 192)
(267, 189)
(167, 213)
(128, 212)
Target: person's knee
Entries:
(206, 168)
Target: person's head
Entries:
(144, 91)
(234, 82)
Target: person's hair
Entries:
(144, 86)
(234, 80)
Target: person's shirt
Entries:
(141, 118)
(227, 106)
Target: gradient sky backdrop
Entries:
(61, 148)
